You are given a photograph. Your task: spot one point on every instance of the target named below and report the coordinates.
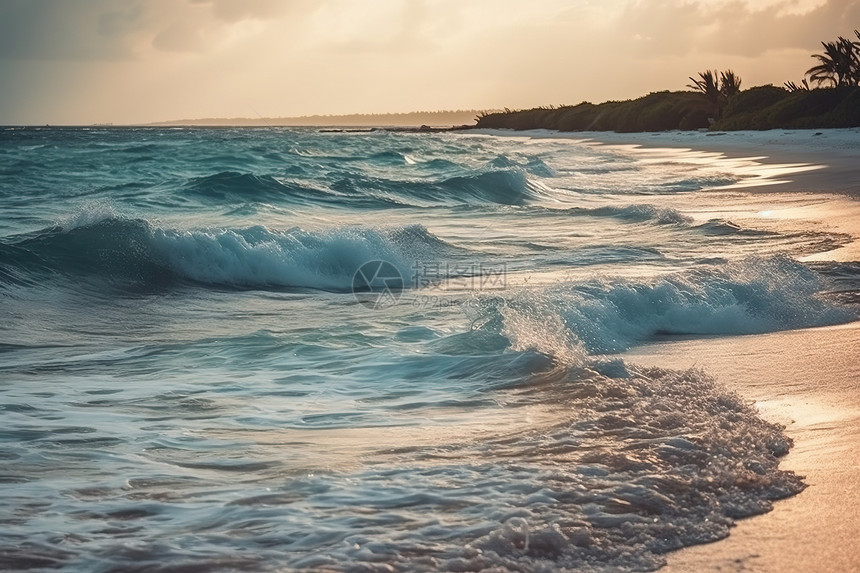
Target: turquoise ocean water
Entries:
(290, 349)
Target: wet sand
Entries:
(808, 380)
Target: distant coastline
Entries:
(411, 119)
(758, 108)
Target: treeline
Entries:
(659, 111)
(764, 107)
(769, 107)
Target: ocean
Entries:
(295, 349)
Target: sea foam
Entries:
(754, 295)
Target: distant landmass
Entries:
(762, 107)
(445, 118)
(717, 103)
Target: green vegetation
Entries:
(769, 107)
(717, 87)
(717, 103)
(659, 111)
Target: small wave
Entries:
(234, 186)
(638, 213)
(534, 165)
(124, 249)
(503, 187)
(231, 187)
(695, 458)
(699, 183)
(390, 158)
(642, 213)
(503, 162)
(725, 227)
(497, 187)
(750, 296)
(537, 166)
(439, 165)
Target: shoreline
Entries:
(837, 150)
(807, 380)
(824, 168)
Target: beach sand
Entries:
(808, 380)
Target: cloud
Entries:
(733, 28)
(357, 30)
(181, 36)
(57, 29)
(237, 10)
(110, 30)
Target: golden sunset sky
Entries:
(131, 61)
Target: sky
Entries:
(138, 61)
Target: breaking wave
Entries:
(749, 296)
(567, 497)
(125, 249)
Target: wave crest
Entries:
(642, 213)
(119, 248)
(498, 186)
(749, 296)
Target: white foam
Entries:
(748, 296)
(293, 258)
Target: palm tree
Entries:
(856, 45)
(717, 87)
(793, 87)
(709, 84)
(731, 83)
(839, 64)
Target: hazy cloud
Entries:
(734, 28)
(122, 29)
(181, 36)
(236, 10)
(58, 29)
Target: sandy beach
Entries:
(807, 380)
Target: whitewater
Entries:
(270, 349)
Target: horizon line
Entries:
(325, 120)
